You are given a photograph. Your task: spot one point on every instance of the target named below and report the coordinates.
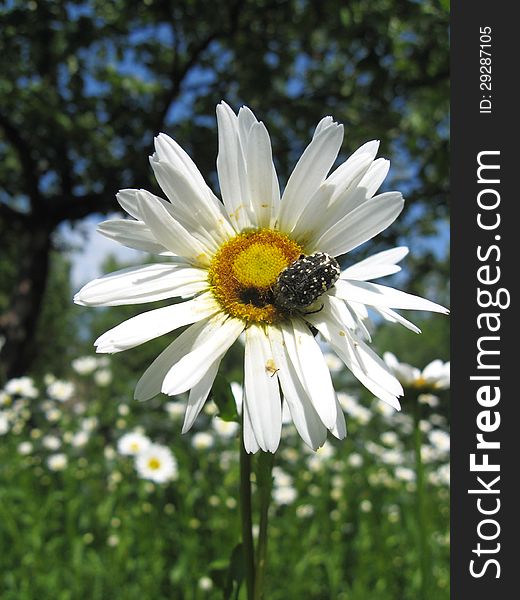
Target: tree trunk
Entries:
(18, 323)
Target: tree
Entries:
(87, 84)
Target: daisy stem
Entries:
(265, 482)
(246, 520)
(424, 557)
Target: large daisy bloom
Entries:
(259, 264)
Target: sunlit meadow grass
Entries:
(77, 522)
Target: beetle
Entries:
(304, 281)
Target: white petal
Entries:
(362, 224)
(394, 317)
(340, 428)
(371, 371)
(363, 187)
(127, 198)
(132, 234)
(377, 265)
(231, 168)
(154, 323)
(168, 150)
(151, 381)
(136, 285)
(129, 201)
(327, 206)
(192, 367)
(309, 363)
(250, 444)
(245, 119)
(375, 176)
(199, 211)
(309, 173)
(346, 314)
(323, 124)
(304, 415)
(348, 172)
(261, 174)
(390, 359)
(169, 232)
(373, 294)
(262, 395)
(198, 396)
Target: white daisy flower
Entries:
(4, 424)
(202, 441)
(260, 264)
(103, 377)
(224, 429)
(440, 440)
(174, 409)
(156, 463)
(355, 460)
(21, 386)
(25, 448)
(132, 443)
(5, 398)
(60, 390)
(284, 494)
(51, 442)
(57, 462)
(84, 365)
(80, 439)
(436, 375)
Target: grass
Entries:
(345, 525)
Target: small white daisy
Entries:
(103, 377)
(25, 448)
(80, 439)
(202, 441)
(57, 462)
(156, 463)
(224, 429)
(85, 365)
(4, 424)
(205, 584)
(60, 390)
(284, 494)
(259, 264)
(175, 410)
(51, 442)
(21, 386)
(435, 376)
(355, 460)
(440, 440)
(132, 443)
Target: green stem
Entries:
(246, 520)
(424, 550)
(265, 483)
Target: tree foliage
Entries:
(87, 84)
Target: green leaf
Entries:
(229, 575)
(224, 399)
(235, 573)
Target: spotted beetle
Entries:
(305, 280)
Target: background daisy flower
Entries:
(261, 265)
(156, 463)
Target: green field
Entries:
(344, 523)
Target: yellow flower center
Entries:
(154, 464)
(420, 382)
(245, 269)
